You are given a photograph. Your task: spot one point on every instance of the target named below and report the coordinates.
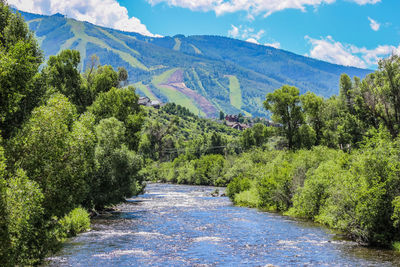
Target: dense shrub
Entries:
(75, 222)
(238, 185)
(357, 193)
(117, 166)
(25, 221)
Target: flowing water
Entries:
(175, 225)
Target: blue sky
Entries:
(348, 32)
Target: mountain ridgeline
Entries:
(203, 73)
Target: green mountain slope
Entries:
(203, 73)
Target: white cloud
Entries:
(374, 24)
(372, 56)
(258, 35)
(250, 35)
(245, 33)
(107, 13)
(234, 32)
(364, 2)
(253, 41)
(328, 49)
(253, 7)
(274, 44)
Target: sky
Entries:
(347, 32)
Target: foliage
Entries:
(237, 185)
(357, 193)
(73, 140)
(178, 110)
(380, 92)
(20, 59)
(284, 103)
(117, 166)
(63, 75)
(249, 198)
(121, 103)
(43, 150)
(75, 222)
(25, 224)
(58, 157)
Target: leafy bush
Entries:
(238, 185)
(25, 221)
(75, 222)
(248, 197)
(117, 166)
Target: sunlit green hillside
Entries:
(203, 73)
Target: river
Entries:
(176, 225)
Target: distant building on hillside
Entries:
(240, 126)
(145, 101)
(155, 104)
(237, 125)
(232, 118)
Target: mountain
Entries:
(203, 73)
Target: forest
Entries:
(73, 144)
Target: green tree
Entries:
(247, 139)
(123, 76)
(345, 91)
(104, 79)
(20, 59)
(121, 103)
(284, 103)
(63, 75)
(381, 94)
(26, 228)
(240, 118)
(156, 139)
(260, 134)
(313, 106)
(117, 167)
(43, 149)
(4, 237)
(81, 156)
(217, 144)
(221, 115)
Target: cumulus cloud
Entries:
(328, 49)
(250, 35)
(253, 7)
(374, 24)
(274, 44)
(253, 41)
(245, 33)
(372, 56)
(107, 13)
(364, 2)
(234, 32)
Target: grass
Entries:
(396, 246)
(196, 50)
(78, 30)
(177, 45)
(109, 35)
(162, 78)
(174, 95)
(143, 88)
(235, 92)
(199, 84)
